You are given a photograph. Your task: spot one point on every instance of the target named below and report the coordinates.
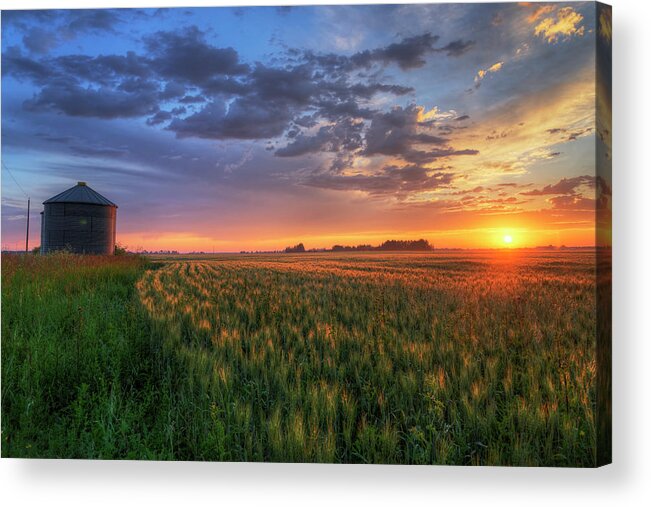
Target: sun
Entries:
(508, 239)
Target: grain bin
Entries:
(80, 220)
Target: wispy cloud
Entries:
(482, 73)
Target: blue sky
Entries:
(251, 128)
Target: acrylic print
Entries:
(344, 234)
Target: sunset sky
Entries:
(233, 129)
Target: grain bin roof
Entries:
(80, 194)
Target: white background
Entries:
(626, 482)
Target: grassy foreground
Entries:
(370, 358)
(81, 375)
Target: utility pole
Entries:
(27, 234)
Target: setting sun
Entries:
(508, 239)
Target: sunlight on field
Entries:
(473, 357)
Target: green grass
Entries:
(81, 375)
(357, 358)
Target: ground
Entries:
(458, 357)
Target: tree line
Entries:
(418, 245)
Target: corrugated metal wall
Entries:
(81, 228)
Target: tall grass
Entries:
(467, 359)
(80, 372)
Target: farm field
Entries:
(484, 357)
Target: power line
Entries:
(15, 180)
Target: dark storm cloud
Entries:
(65, 22)
(47, 29)
(367, 91)
(424, 157)
(295, 86)
(428, 139)
(192, 99)
(172, 90)
(107, 103)
(345, 135)
(392, 133)
(104, 70)
(391, 180)
(269, 98)
(242, 101)
(92, 20)
(40, 41)
(334, 110)
(159, 117)
(407, 54)
(186, 56)
(21, 19)
(16, 64)
(224, 85)
(246, 118)
(396, 133)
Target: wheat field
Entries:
(457, 358)
(431, 358)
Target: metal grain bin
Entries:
(80, 220)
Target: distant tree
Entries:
(36, 250)
(300, 248)
(420, 245)
(413, 245)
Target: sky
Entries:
(255, 128)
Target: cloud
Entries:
(344, 135)
(457, 47)
(93, 20)
(569, 134)
(295, 85)
(102, 69)
(40, 41)
(186, 56)
(407, 54)
(45, 30)
(566, 186)
(246, 118)
(182, 67)
(539, 12)
(482, 73)
(573, 202)
(16, 64)
(192, 99)
(399, 130)
(393, 132)
(425, 157)
(159, 117)
(563, 26)
(389, 181)
(106, 103)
